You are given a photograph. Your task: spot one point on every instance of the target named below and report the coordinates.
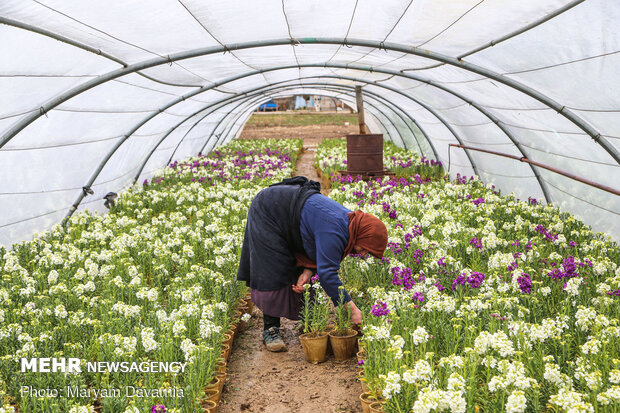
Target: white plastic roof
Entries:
(100, 94)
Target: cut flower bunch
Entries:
(482, 302)
(153, 280)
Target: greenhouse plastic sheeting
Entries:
(103, 94)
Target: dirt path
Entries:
(261, 381)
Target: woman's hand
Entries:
(303, 279)
(356, 313)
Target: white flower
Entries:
(246, 317)
(516, 402)
(571, 401)
(420, 336)
(52, 277)
(392, 385)
(148, 341)
(612, 395)
(179, 327)
(60, 311)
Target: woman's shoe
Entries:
(273, 340)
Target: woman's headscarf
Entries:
(367, 232)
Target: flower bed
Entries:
(483, 302)
(150, 281)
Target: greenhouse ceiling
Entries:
(99, 95)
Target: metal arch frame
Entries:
(226, 128)
(137, 176)
(122, 140)
(425, 53)
(385, 103)
(64, 39)
(253, 101)
(340, 91)
(106, 158)
(389, 105)
(74, 43)
(300, 85)
(205, 88)
(481, 109)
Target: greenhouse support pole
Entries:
(547, 167)
(359, 100)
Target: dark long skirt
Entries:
(280, 303)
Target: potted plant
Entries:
(314, 320)
(342, 338)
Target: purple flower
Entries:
(614, 293)
(392, 214)
(380, 309)
(158, 408)
(476, 242)
(417, 296)
(360, 363)
(475, 279)
(440, 262)
(478, 201)
(315, 278)
(439, 286)
(525, 283)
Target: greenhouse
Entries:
(127, 172)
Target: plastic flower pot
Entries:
(367, 399)
(361, 355)
(376, 407)
(328, 330)
(222, 377)
(221, 366)
(214, 384)
(213, 395)
(250, 303)
(343, 346)
(229, 336)
(362, 379)
(315, 347)
(225, 351)
(209, 406)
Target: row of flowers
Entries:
(483, 302)
(153, 280)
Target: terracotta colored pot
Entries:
(315, 348)
(362, 379)
(222, 377)
(214, 384)
(343, 346)
(209, 406)
(250, 304)
(212, 394)
(225, 351)
(376, 407)
(367, 399)
(229, 336)
(328, 329)
(221, 366)
(361, 355)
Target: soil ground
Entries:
(261, 381)
(279, 126)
